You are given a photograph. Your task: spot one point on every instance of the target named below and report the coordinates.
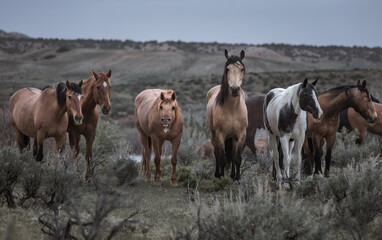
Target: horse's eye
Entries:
(98, 87)
(173, 108)
(226, 69)
(161, 107)
(70, 97)
(242, 70)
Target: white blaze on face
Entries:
(317, 104)
(79, 97)
(104, 84)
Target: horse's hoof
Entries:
(326, 174)
(310, 177)
(157, 182)
(174, 184)
(286, 186)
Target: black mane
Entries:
(61, 91)
(345, 88)
(222, 95)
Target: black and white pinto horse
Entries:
(285, 122)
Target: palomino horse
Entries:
(96, 91)
(351, 120)
(43, 114)
(227, 116)
(285, 121)
(158, 118)
(333, 102)
(255, 120)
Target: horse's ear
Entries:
(81, 82)
(67, 84)
(242, 54)
(315, 82)
(109, 73)
(363, 84)
(304, 83)
(161, 96)
(226, 53)
(96, 76)
(173, 96)
(359, 82)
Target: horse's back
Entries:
(21, 107)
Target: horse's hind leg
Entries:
(328, 157)
(249, 141)
(228, 147)
(146, 152)
(40, 142)
(285, 145)
(157, 145)
(89, 155)
(273, 142)
(22, 140)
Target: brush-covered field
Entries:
(51, 200)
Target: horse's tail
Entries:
(344, 121)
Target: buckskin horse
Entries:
(96, 91)
(333, 102)
(42, 114)
(158, 118)
(285, 121)
(227, 116)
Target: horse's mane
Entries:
(345, 88)
(374, 99)
(61, 91)
(223, 93)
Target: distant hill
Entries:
(16, 35)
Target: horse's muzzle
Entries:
(78, 119)
(105, 110)
(234, 91)
(372, 118)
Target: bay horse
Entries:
(255, 120)
(42, 114)
(96, 91)
(333, 102)
(285, 121)
(158, 119)
(227, 116)
(351, 120)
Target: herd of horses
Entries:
(298, 120)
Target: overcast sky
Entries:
(322, 22)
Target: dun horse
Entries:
(42, 114)
(333, 102)
(227, 116)
(96, 91)
(285, 121)
(158, 118)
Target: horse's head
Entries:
(101, 91)
(308, 99)
(73, 101)
(167, 109)
(362, 102)
(234, 72)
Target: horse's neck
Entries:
(88, 103)
(335, 103)
(292, 94)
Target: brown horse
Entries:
(333, 102)
(351, 120)
(43, 114)
(255, 120)
(96, 91)
(158, 118)
(227, 116)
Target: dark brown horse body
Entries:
(351, 120)
(255, 120)
(42, 114)
(158, 119)
(227, 117)
(96, 91)
(333, 102)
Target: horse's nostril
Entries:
(78, 118)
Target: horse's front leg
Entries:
(89, 154)
(219, 147)
(40, 144)
(237, 146)
(60, 142)
(175, 145)
(317, 146)
(296, 156)
(285, 145)
(157, 145)
(328, 157)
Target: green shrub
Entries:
(126, 171)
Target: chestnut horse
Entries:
(42, 114)
(227, 116)
(158, 118)
(255, 120)
(285, 121)
(96, 91)
(351, 120)
(333, 102)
